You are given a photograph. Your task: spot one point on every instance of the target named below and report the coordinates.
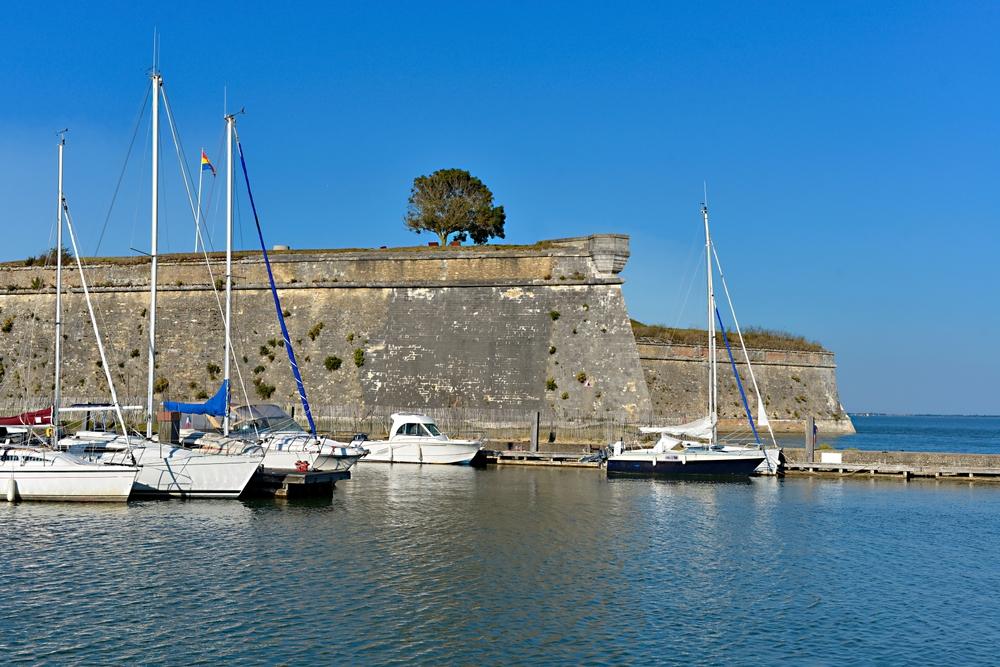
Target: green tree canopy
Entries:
(453, 201)
(49, 258)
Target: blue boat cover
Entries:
(215, 406)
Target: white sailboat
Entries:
(166, 469)
(693, 449)
(415, 438)
(38, 472)
(286, 445)
(30, 469)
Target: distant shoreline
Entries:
(912, 414)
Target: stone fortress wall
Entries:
(541, 327)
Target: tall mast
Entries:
(230, 129)
(712, 378)
(157, 83)
(57, 388)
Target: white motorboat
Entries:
(170, 470)
(414, 438)
(286, 445)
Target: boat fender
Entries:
(12, 490)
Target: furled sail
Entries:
(736, 374)
(277, 302)
(699, 429)
(34, 418)
(215, 406)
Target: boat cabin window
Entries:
(432, 429)
(411, 429)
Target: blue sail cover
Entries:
(277, 302)
(215, 406)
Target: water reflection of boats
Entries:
(415, 438)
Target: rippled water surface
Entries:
(431, 565)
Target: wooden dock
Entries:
(268, 482)
(558, 459)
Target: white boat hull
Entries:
(771, 462)
(40, 473)
(88, 483)
(176, 472)
(451, 452)
(287, 451)
(290, 460)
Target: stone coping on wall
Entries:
(657, 351)
(253, 287)
(590, 260)
(583, 246)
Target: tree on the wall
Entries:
(453, 201)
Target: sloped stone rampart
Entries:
(541, 327)
(794, 384)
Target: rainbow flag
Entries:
(205, 164)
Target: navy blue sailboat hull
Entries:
(731, 467)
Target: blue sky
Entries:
(850, 148)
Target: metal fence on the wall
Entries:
(501, 428)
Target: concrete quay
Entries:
(893, 464)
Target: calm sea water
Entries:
(974, 435)
(452, 565)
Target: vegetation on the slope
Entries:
(48, 258)
(756, 337)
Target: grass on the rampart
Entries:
(756, 337)
(241, 254)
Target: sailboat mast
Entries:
(712, 376)
(197, 211)
(57, 386)
(230, 129)
(157, 81)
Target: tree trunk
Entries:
(444, 237)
